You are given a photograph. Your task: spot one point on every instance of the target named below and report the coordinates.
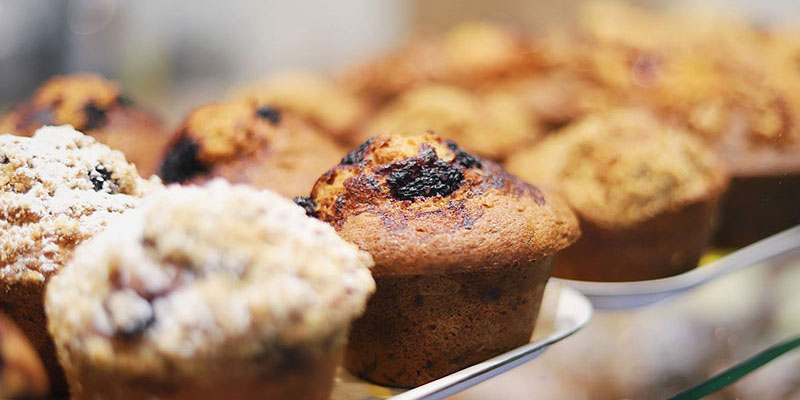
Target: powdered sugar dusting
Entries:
(200, 273)
(57, 189)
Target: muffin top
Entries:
(80, 100)
(623, 167)
(320, 101)
(490, 125)
(420, 204)
(57, 189)
(243, 142)
(469, 54)
(203, 277)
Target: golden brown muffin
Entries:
(96, 107)
(468, 55)
(245, 143)
(322, 102)
(22, 375)
(57, 189)
(462, 251)
(719, 76)
(214, 292)
(647, 195)
(491, 124)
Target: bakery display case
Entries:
(592, 199)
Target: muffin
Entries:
(462, 253)
(96, 107)
(468, 55)
(731, 83)
(647, 196)
(57, 189)
(213, 292)
(243, 142)
(322, 102)
(490, 125)
(22, 375)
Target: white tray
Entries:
(564, 311)
(625, 295)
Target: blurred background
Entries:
(175, 55)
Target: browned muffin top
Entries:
(491, 125)
(623, 167)
(419, 202)
(318, 100)
(80, 100)
(469, 54)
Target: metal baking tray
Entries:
(626, 295)
(564, 311)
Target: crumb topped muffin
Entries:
(243, 142)
(328, 106)
(457, 242)
(96, 107)
(628, 176)
(57, 189)
(217, 291)
(491, 125)
(469, 55)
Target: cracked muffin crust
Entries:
(462, 253)
(96, 107)
(627, 175)
(491, 124)
(57, 189)
(424, 197)
(325, 104)
(245, 142)
(469, 55)
(207, 290)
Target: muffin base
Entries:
(23, 302)
(757, 207)
(666, 245)
(306, 380)
(418, 328)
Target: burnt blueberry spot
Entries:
(357, 155)
(425, 175)
(135, 329)
(4, 159)
(308, 205)
(463, 159)
(95, 117)
(273, 115)
(181, 163)
(124, 100)
(100, 176)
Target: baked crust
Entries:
(243, 142)
(420, 204)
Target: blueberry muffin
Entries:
(322, 102)
(462, 253)
(96, 107)
(647, 195)
(722, 78)
(213, 292)
(57, 189)
(491, 124)
(243, 142)
(470, 55)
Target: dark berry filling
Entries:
(425, 175)
(101, 179)
(357, 155)
(95, 117)
(181, 163)
(273, 115)
(463, 159)
(308, 205)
